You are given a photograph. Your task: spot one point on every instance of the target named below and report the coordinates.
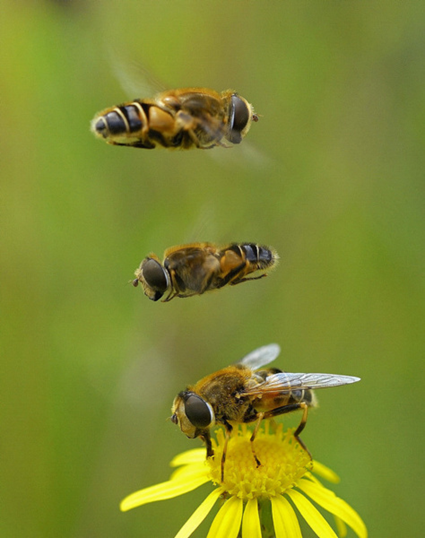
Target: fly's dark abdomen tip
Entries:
(100, 127)
(265, 255)
(259, 254)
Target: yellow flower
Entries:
(283, 480)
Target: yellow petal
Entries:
(284, 519)
(160, 492)
(193, 455)
(341, 527)
(199, 514)
(333, 504)
(313, 517)
(189, 471)
(251, 527)
(325, 472)
(227, 522)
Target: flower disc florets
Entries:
(283, 463)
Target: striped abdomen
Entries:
(259, 256)
(139, 124)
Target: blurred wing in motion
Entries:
(203, 225)
(246, 156)
(136, 80)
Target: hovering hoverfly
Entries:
(242, 393)
(193, 269)
(183, 118)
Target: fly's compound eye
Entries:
(155, 277)
(239, 114)
(198, 411)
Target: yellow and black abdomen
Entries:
(258, 256)
(140, 124)
(239, 260)
(123, 125)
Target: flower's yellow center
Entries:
(283, 463)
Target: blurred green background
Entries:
(332, 176)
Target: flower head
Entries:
(283, 480)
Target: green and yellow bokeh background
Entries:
(332, 177)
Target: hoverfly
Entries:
(183, 118)
(195, 268)
(242, 393)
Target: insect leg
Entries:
(139, 144)
(229, 429)
(207, 440)
(187, 123)
(246, 279)
(254, 433)
(194, 138)
(301, 426)
(231, 274)
(171, 296)
(176, 294)
(287, 409)
(210, 126)
(207, 285)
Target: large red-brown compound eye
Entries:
(198, 411)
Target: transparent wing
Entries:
(288, 382)
(261, 356)
(245, 156)
(137, 81)
(211, 126)
(204, 225)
